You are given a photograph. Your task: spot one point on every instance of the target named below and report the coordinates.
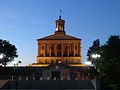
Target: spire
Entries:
(60, 25)
(60, 14)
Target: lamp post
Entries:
(96, 57)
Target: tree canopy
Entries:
(109, 62)
(94, 49)
(8, 52)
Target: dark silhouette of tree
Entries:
(109, 62)
(8, 52)
(94, 49)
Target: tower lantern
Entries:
(60, 26)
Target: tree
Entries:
(8, 52)
(109, 62)
(94, 49)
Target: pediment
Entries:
(59, 37)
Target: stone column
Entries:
(68, 49)
(73, 49)
(55, 46)
(44, 50)
(78, 49)
(50, 50)
(62, 49)
(39, 46)
(47, 50)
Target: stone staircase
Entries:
(2, 83)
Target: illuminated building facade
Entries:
(60, 54)
(59, 58)
(59, 47)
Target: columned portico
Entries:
(59, 46)
(63, 50)
(68, 49)
(58, 56)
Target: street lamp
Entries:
(88, 63)
(1, 56)
(96, 57)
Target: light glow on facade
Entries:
(76, 65)
(39, 65)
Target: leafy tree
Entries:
(109, 62)
(8, 52)
(94, 49)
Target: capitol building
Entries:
(59, 58)
(61, 55)
(59, 47)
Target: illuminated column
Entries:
(47, 50)
(55, 46)
(50, 50)
(62, 49)
(68, 50)
(44, 49)
(39, 49)
(73, 49)
(79, 49)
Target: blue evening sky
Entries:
(24, 21)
